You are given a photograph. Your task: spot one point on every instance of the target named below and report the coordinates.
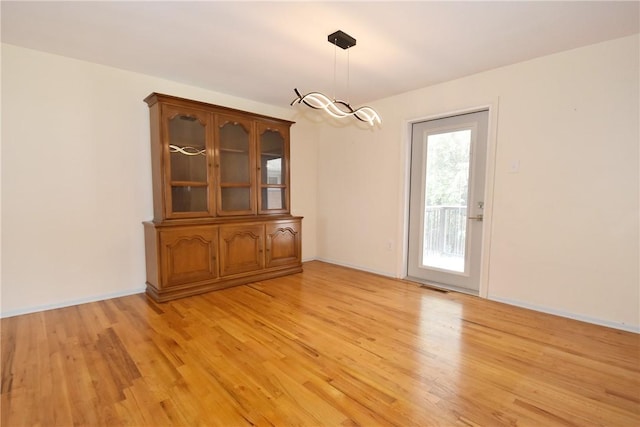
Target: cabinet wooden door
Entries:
(283, 243)
(187, 149)
(273, 168)
(235, 165)
(188, 254)
(241, 248)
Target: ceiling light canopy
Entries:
(336, 108)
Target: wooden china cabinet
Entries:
(221, 196)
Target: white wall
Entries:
(76, 181)
(76, 177)
(565, 229)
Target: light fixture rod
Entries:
(348, 91)
(335, 50)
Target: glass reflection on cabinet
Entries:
(235, 199)
(272, 171)
(188, 199)
(273, 198)
(234, 154)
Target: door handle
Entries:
(477, 218)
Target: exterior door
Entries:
(448, 167)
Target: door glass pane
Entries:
(236, 199)
(187, 148)
(189, 199)
(271, 154)
(234, 154)
(273, 198)
(446, 195)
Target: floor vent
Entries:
(433, 288)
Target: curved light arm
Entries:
(338, 109)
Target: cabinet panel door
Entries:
(188, 254)
(241, 248)
(283, 243)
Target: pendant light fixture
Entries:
(337, 108)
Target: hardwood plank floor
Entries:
(328, 347)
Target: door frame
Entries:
(492, 107)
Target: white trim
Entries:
(573, 316)
(403, 205)
(489, 185)
(64, 304)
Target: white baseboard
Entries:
(356, 267)
(63, 304)
(587, 319)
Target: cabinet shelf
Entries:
(189, 184)
(234, 150)
(235, 185)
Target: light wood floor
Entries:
(328, 347)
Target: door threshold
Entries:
(440, 287)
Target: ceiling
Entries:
(262, 50)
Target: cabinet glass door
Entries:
(187, 165)
(273, 171)
(235, 157)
